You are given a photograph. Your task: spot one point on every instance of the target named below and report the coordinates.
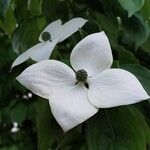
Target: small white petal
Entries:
(38, 52)
(42, 76)
(115, 87)
(20, 59)
(70, 28)
(70, 106)
(44, 51)
(54, 30)
(93, 54)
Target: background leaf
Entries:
(131, 6)
(115, 129)
(20, 42)
(48, 129)
(4, 5)
(136, 34)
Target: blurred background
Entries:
(26, 122)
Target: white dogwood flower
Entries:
(76, 94)
(54, 33)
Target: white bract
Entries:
(54, 33)
(75, 95)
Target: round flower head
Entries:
(75, 95)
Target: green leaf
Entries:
(140, 118)
(73, 139)
(136, 34)
(34, 7)
(125, 56)
(7, 55)
(27, 34)
(9, 22)
(20, 10)
(131, 6)
(146, 46)
(104, 5)
(53, 9)
(4, 5)
(109, 24)
(18, 112)
(142, 73)
(115, 129)
(13, 147)
(47, 128)
(145, 10)
(115, 64)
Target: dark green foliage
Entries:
(117, 129)
(127, 25)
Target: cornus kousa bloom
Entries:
(76, 94)
(54, 33)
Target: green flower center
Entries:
(46, 36)
(81, 75)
